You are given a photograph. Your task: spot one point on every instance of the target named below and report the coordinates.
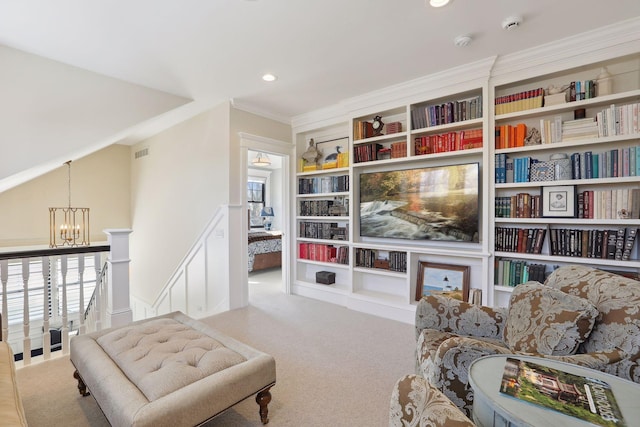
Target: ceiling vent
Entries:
(141, 153)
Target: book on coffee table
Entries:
(578, 396)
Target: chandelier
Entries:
(68, 226)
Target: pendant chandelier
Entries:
(68, 226)
(261, 160)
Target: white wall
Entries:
(175, 191)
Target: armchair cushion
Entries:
(547, 321)
(415, 402)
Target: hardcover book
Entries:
(577, 396)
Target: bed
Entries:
(265, 250)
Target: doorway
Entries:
(276, 179)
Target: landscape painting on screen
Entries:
(436, 203)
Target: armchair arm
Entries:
(415, 402)
(451, 315)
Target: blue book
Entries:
(588, 160)
(595, 167)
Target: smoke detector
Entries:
(462, 41)
(511, 22)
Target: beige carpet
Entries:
(335, 367)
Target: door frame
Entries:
(284, 150)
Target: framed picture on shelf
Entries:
(330, 149)
(559, 201)
(443, 279)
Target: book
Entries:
(578, 396)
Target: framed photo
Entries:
(329, 150)
(559, 201)
(444, 279)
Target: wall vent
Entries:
(142, 153)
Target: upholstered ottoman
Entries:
(169, 371)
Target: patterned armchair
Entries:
(416, 403)
(580, 315)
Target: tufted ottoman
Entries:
(169, 371)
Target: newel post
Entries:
(118, 309)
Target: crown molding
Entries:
(467, 77)
(317, 119)
(620, 39)
(239, 105)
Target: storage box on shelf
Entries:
(587, 148)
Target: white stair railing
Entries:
(44, 291)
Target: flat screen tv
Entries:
(430, 203)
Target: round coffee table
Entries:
(493, 408)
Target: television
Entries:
(428, 203)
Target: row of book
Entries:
(445, 113)
(615, 163)
(555, 130)
(395, 150)
(323, 184)
(362, 130)
(366, 152)
(449, 141)
(619, 120)
(509, 136)
(323, 253)
(514, 272)
(604, 244)
(520, 101)
(621, 203)
(372, 258)
(579, 90)
(321, 208)
(323, 230)
(521, 240)
(521, 205)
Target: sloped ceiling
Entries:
(53, 112)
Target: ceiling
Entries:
(323, 51)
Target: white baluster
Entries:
(4, 276)
(81, 307)
(97, 316)
(26, 342)
(65, 317)
(46, 334)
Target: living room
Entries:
(192, 169)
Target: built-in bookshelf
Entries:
(586, 146)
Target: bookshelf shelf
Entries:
(607, 140)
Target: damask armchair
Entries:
(580, 315)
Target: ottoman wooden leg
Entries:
(82, 387)
(263, 398)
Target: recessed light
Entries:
(269, 77)
(439, 3)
